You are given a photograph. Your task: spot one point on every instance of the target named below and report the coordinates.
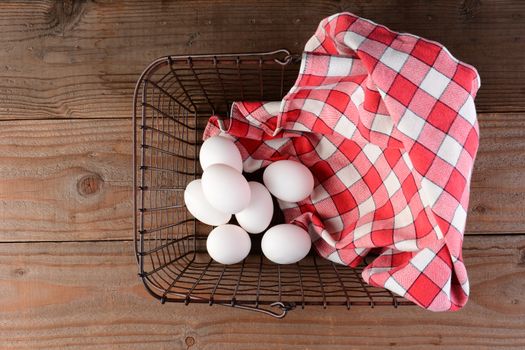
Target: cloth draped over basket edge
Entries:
(387, 124)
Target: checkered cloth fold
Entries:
(387, 124)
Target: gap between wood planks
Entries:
(469, 236)
(130, 118)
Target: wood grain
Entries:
(87, 295)
(64, 59)
(70, 179)
(497, 203)
(66, 180)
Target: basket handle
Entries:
(284, 308)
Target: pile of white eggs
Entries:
(223, 191)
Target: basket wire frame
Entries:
(173, 99)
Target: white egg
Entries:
(286, 244)
(199, 207)
(225, 188)
(256, 217)
(288, 180)
(228, 244)
(220, 150)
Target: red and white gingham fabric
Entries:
(386, 122)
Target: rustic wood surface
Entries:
(497, 203)
(67, 272)
(81, 59)
(86, 296)
(65, 180)
(68, 180)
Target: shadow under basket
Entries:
(173, 100)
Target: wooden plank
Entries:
(70, 180)
(87, 295)
(65, 180)
(497, 203)
(63, 59)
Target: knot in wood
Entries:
(20, 272)
(89, 184)
(190, 341)
(521, 257)
(479, 209)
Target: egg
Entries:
(228, 244)
(256, 217)
(220, 150)
(225, 188)
(288, 180)
(286, 244)
(200, 208)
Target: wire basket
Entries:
(173, 100)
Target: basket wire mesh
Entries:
(173, 100)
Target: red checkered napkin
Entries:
(386, 122)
